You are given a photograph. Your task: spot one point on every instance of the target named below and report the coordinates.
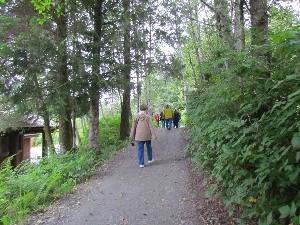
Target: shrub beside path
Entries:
(121, 193)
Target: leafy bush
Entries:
(110, 131)
(244, 127)
(31, 187)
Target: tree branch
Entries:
(209, 6)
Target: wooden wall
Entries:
(16, 144)
(4, 147)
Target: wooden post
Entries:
(13, 148)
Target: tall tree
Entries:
(126, 71)
(94, 93)
(65, 123)
(26, 62)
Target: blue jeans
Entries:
(163, 123)
(140, 146)
(169, 123)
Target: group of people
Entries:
(168, 117)
(143, 131)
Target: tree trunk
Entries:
(94, 125)
(48, 136)
(224, 22)
(94, 90)
(137, 56)
(259, 22)
(239, 28)
(77, 133)
(259, 35)
(193, 69)
(259, 27)
(65, 124)
(149, 65)
(125, 114)
(74, 129)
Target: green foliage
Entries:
(55, 136)
(31, 187)
(109, 136)
(244, 127)
(108, 132)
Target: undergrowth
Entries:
(244, 128)
(32, 186)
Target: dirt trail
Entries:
(121, 193)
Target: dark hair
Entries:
(143, 107)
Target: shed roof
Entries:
(27, 124)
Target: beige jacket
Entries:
(142, 128)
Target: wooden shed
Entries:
(19, 141)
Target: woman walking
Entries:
(142, 131)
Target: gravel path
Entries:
(121, 193)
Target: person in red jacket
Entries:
(156, 116)
(142, 131)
